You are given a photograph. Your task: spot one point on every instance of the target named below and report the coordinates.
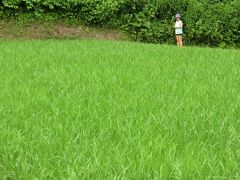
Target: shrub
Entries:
(209, 22)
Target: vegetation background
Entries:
(207, 22)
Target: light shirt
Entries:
(178, 27)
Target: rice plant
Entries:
(118, 110)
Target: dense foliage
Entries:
(211, 22)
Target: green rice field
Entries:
(91, 109)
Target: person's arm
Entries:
(181, 24)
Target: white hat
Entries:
(178, 15)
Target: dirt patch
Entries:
(10, 30)
(63, 31)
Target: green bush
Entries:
(209, 22)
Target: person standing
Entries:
(179, 30)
